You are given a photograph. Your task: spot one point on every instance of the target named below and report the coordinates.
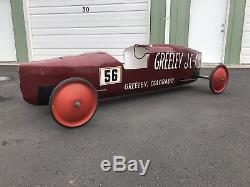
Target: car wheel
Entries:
(73, 102)
(219, 79)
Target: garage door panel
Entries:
(247, 35)
(93, 30)
(247, 27)
(93, 9)
(50, 3)
(89, 41)
(245, 60)
(90, 20)
(244, 51)
(246, 44)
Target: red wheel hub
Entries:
(219, 79)
(73, 103)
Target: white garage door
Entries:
(7, 41)
(61, 27)
(245, 48)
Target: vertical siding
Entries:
(157, 21)
(19, 31)
(179, 21)
(245, 48)
(234, 31)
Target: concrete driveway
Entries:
(192, 137)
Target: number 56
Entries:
(110, 75)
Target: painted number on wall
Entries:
(110, 75)
(85, 9)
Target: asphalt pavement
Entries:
(191, 136)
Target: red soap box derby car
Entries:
(72, 85)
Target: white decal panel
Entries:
(110, 75)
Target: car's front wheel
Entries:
(73, 102)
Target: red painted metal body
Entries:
(168, 66)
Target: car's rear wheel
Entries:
(73, 102)
(219, 79)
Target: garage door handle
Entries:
(222, 27)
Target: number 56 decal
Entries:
(110, 75)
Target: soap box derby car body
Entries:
(72, 85)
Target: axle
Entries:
(203, 77)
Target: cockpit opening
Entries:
(136, 57)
